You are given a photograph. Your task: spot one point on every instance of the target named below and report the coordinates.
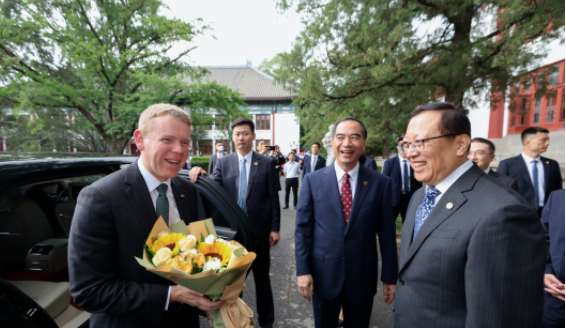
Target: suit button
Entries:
(343, 260)
(401, 281)
(347, 240)
(393, 309)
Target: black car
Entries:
(37, 201)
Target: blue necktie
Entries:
(535, 183)
(425, 208)
(243, 186)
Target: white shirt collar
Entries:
(487, 170)
(445, 184)
(151, 181)
(528, 158)
(353, 174)
(248, 157)
(401, 159)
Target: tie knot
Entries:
(534, 161)
(162, 189)
(346, 176)
(432, 192)
(243, 160)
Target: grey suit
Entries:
(112, 220)
(479, 263)
(505, 180)
(212, 162)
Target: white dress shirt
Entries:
(152, 183)
(487, 170)
(540, 169)
(401, 159)
(353, 178)
(291, 170)
(445, 184)
(314, 158)
(248, 158)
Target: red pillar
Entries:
(496, 115)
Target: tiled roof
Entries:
(250, 82)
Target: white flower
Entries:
(210, 239)
(161, 257)
(162, 233)
(212, 264)
(187, 243)
(193, 250)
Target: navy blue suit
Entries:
(342, 259)
(516, 168)
(399, 201)
(320, 163)
(370, 163)
(263, 210)
(553, 224)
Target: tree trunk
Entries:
(117, 145)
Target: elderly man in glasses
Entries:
(472, 251)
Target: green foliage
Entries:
(377, 60)
(149, 252)
(103, 62)
(200, 161)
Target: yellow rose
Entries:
(161, 257)
(187, 243)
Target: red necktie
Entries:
(346, 195)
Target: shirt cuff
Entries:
(168, 297)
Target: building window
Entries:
(263, 122)
(205, 147)
(537, 109)
(551, 107)
(527, 84)
(562, 107)
(553, 75)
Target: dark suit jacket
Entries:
(392, 169)
(112, 220)
(370, 163)
(553, 224)
(477, 261)
(336, 254)
(505, 180)
(320, 163)
(212, 162)
(262, 197)
(516, 168)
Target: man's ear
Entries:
(138, 137)
(463, 141)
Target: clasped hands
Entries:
(554, 286)
(306, 289)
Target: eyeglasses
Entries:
(419, 144)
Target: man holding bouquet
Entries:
(341, 208)
(113, 218)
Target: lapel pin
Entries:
(255, 163)
(365, 183)
(182, 196)
(547, 162)
(449, 206)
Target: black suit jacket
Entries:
(320, 163)
(112, 220)
(505, 180)
(516, 168)
(392, 169)
(370, 163)
(212, 162)
(262, 197)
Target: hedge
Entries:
(200, 161)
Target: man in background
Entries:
(482, 152)
(314, 161)
(214, 158)
(251, 180)
(537, 176)
(553, 224)
(403, 182)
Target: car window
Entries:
(89, 179)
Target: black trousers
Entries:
(264, 295)
(326, 312)
(402, 205)
(291, 183)
(553, 316)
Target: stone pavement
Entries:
(291, 309)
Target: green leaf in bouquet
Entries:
(153, 239)
(149, 252)
(180, 227)
(202, 238)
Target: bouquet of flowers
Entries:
(194, 257)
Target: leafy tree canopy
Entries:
(377, 59)
(103, 62)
